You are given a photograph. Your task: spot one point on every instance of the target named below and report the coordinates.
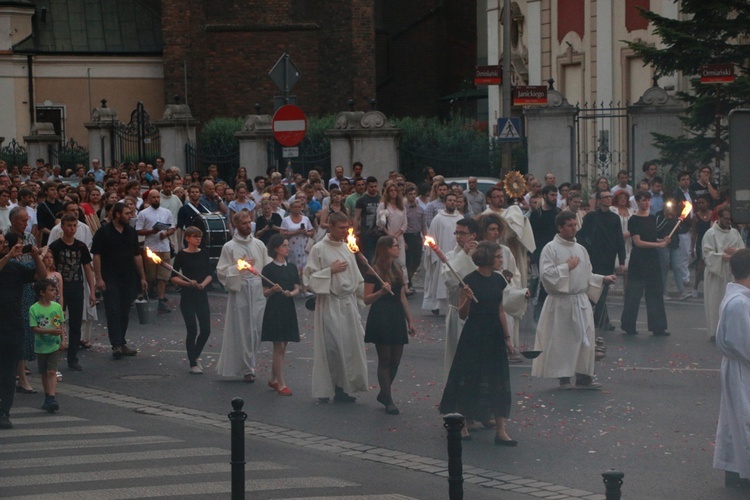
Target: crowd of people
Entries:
(266, 240)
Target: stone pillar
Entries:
(176, 130)
(366, 137)
(655, 111)
(253, 138)
(103, 119)
(38, 143)
(550, 132)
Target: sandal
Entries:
(249, 378)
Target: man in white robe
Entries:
(441, 229)
(246, 303)
(720, 242)
(732, 452)
(565, 333)
(520, 238)
(339, 362)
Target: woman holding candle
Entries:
(478, 385)
(280, 318)
(389, 323)
(194, 264)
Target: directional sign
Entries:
(289, 125)
(509, 129)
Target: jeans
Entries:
(118, 298)
(194, 305)
(73, 294)
(670, 258)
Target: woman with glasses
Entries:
(389, 322)
(193, 263)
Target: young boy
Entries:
(46, 319)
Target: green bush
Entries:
(217, 135)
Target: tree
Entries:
(711, 32)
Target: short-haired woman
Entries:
(193, 262)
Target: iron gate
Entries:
(14, 154)
(137, 140)
(68, 155)
(226, 159)
(601, 142)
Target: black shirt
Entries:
(601, 235)
(261, 222)
(643, 261)
(12, 278)
(117, 250)
(369, 212)
(45, 216)
(69, 258)
(194, 265)
(544, 227)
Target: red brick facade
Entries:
(230, 45)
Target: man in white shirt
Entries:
(157, 225)
(172, 203)
(339, 174)
(622, 183)
(260, 185)
(4, 210)
(476, 198)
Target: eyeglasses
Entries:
(605, 196)
(461, 233)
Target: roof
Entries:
(94, 27)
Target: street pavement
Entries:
(143, 427)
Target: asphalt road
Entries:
(655, 419)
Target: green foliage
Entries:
(317, 125)
(706, 33)
(218, 134)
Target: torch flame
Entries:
(686, 211)
(351, 241)
(429, 241)
(243, 264)
(151, 255)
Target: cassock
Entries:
(245, 306)
(565, 333)
(717, 274)
(339, 348)
(520, 238)
(441, 229)
(732, 452)
(463, 266)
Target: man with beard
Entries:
(156, 224)
(117, 259)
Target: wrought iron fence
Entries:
(225, 157)
(14, 154)
(311, 154)
(68, 155)
(137, 140)
(602, 141)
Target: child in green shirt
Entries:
(46, 320)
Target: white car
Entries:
(483, 183)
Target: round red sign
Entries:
(289, 125)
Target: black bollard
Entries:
(613, 483)
(237, 417)
(454, 422)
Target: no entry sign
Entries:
(289, 125)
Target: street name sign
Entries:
(488, 75)
(530, 96)
(717, 73)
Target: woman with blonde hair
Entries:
(391, 218)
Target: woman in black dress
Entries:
(389, 322)
(193, 263)
(478, 384)
(268, 223)
(280, 318)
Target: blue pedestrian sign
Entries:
(509, 129)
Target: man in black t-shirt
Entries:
(365, 218)
(117, 259)
(704, 185)
(73, 262)
(47, 211)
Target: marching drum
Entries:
(215, 233)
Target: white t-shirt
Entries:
(146, 219)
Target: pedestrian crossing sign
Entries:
(509, 129)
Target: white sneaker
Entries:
(59, 376)
(198, 364)
(196, 370)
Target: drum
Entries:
(215, 233)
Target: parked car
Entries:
(483, 183)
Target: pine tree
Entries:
(712, 31)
